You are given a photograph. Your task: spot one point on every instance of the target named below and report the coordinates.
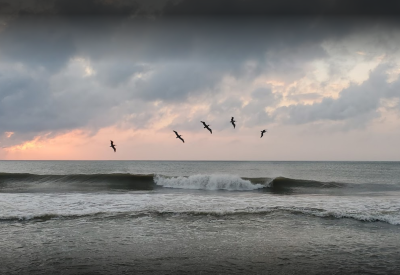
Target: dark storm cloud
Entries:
(69, 8)
(218, 8)
(158, 50)
(96, 7)
(37, 43)
(45, 32)
(282, 8)
(51, 41)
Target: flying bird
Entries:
(233, 123)
(179, 136)
(262, 133)
(206, 126)
(113, 146)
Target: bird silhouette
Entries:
(113, 146)
(233, 123)
(179, 136)
(262, 133)
(206, 126)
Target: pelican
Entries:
(233, 123)
(113, 146)
(179, 136)
(206, 126)
(262, 133)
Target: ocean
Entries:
(199, 217)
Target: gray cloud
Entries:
(357, 102)
(116, 72)
(255, 113)
(176, 82)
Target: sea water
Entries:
(172, 217)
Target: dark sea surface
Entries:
(199, 217)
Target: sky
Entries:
(321, 76)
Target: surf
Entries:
(44, 207)
(208, 182)
(126, 182)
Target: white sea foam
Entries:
(207, 182)
(33, 205)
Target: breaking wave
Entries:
(208, 182)
(24, 182)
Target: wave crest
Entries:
(207, 182)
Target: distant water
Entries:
(158, 217)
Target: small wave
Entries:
(390, 218)
(282, 182)
(24, 182)
(208, 182)
(43, 217)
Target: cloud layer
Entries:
(167, 65)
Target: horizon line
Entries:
(201, 160)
